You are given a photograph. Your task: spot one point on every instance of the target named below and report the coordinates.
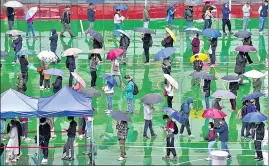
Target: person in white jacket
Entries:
(246, 14)
(148, 120)
(170, 93)
(12, 153)
(117, 21)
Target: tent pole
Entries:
(230, 6)
(37, 139)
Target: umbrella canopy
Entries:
(193, 31)
(144, 30)
(253, 96)
(3, 54)
(243, 34)
(97, 51)
(174, 114)
(123, 32)
(193, 2)
(47, 56)
(55, 72)
(213, 113)
(71, 51)
(245, 48)
(91, 92)
(152, 98)
(14, 4)
(201, 56)
(230, 78)
(203, 75)
(14, 32)
(121, 7)
(164, 53)
(79, 79)
(171, 80)
(110, 79)
(171, 33)
(254, 117)
(66, 102)
(211, 33)
(114, 53)
(120, 116)
(15, 104)
(96, 35)
(30, 13)
(223, 94)
(254, 74)
(26, 52)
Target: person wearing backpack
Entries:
(115, 70)
(124, 44)
(197, 64)
(185, 108)
(211, 140)
(243, 112)
(188, 14)
(129, 93)
(147, 43)
(172, 130)
(65, 20)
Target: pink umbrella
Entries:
(71, 51)
(114, 53)
(245, 48)
(213, 113)
(210, 1)
(79, 79)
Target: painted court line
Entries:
(81, 26)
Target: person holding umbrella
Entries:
(109, 91)
(170, 15)
(30, 21)
(10, 17)
(185, 109)
(147, 43)
(257, 85)
(122, 133)
(188, 14)
(117, 21)
(65, 20)
(259, 132)
(216, 105)
(168, 41)
(169, 89)
(93, 61)
(240, 65)
(248, 41)
(206, 90)
(146, 17)
(71, 66)
(244, 127)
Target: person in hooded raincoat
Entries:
(225, 19)
(195, 44)
(57, 85)
(186, 114)
(71, 66)
(146, 17)
(124, 44)
(170, 15)
(53, 42)
(240, 65)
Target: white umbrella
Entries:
(171, 80)
(223, 94)
(47, 56)
(71, 51)
(123, 32)
(14, 4)
(30, 13)
(14, 32)
(97, 51)
(254, 74)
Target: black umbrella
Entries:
(230, 78)
(120, 116)
(91, 92)
(203, 75)
(144, 30)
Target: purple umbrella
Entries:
(245, 48)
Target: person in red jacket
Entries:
(24, 125)
(195, 44)
(211, 140)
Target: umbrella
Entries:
(91, 92)
(164, 53)
(193, 31)
(253, 96)
(174, 114)
(245, 48)
(203, 75)
(121, 7)
(152, 98)
(243, 34)
(97, 51)
(110, 79)
(47, 56)
(14, 4)
(3, 54)
(171, 34)
(114, 53)
(223, 94)
(211, 33)
(26, 52)
(254, 74)
(230, 78)
(171, 80)
(254, 117)
(144, 30)
(96, 35)
(71, 51)
(123, 32)
(14, 32)
(55, 72)
(79, 79)
(201, 56)
(193, 2)
(30, 13)
(120, 116)
(213, 113)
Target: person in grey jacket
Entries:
(188, 14)
(124, 44)
(240, 65)
(91, 13)
(146, 17)
(257, 85)
(93, 61)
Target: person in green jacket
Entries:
(129, 93)
(257, 85)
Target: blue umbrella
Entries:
(26, 52)
(55, 72)
(110, 79)
(211, 33)
(3, 54)
(253, 96)
(121, 7)
(164, 53)
(174, 114)
(120, 116)
(254, 117)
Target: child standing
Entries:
(211, 140)
(195, 44)
(17, 45)
(46, 78)
(197, 64)
(93, 61)
(109, 91)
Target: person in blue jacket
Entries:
(53, 43)
(71, 66)
(170, 15)
(223, 136)
(225, 19)
(129, 93)
(91, 13)
(185, 109)
(263, 11)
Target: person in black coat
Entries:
(44, 137)
(71, 66)
(258, 141)
(213, 45)
(206, 89)
(147, 43)
(167, 42)
(248, 41)
(233, 86)
(71, 134)
(245, 125)
(10, 17)
(97, 45)
(57, 85)
(24, 70)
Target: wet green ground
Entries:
(149, 80)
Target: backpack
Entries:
(175, 128)
(239, 114)
(115, 67)
(136, 91)
(150, 42)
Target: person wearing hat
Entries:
(129, 89)
(91, 13)
(65, 20)
(246, 14)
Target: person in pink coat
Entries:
(195, 44)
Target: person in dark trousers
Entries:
(24, 70)
(97, 45)
(170, 138)
(197, 64)
(185, 109)
(188, 15)
(93, 61)
(216, 105)
(248, 41)
(57, 85)
(211, 140)
(195, 44)
(226, 19)
(17, 45)
(251, 126)
(124, 44)
(213, 46)
(166, 67)
(53, 43)
(65, 20)
(257, 85)
(208, 18)
(240, 66)
(169, 89)
(122, 133)
(233, 86)
(44, 137)
(244, 124)
(91, 13)
(71, 134)
(205, 7)
(263, 11)
(148, 120)
(41, 67)
(206, 90)
(223, 136)
(259, 131)
(71, 66)
(10, 17)
(147, 43)
(167, 42)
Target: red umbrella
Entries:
(114, 53)
(213, 113)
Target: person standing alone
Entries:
(91, 14)
(146, 17)
(225, 19)
(246, 14)
(10, 17)
(65, 20)
(263, 11)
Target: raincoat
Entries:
(53, 40)
(195, 45)
(129, 90)
(187, 108)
